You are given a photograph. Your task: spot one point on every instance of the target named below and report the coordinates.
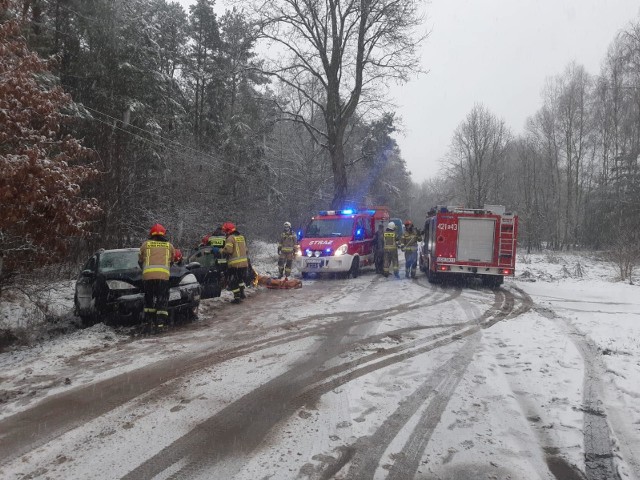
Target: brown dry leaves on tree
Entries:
(41, 169)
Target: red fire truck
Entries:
(470, 242)
(340, 241)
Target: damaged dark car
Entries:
(109, 288)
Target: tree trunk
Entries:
(339, 174)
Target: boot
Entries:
(242, 294)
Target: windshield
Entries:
(330, 227)
(110, 261)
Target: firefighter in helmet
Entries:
(409, 244)
(390, 251)
(235, 248)
(155, 257)
(286, 250)
(216, 241)
(178, 258)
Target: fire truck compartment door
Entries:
(475, 239)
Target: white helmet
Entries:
(391, 225)
(287, 224)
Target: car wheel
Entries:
(192, 313)
(305, 275)
(355, 268)
(86, 320)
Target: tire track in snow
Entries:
(368, 456)
(598, 446)
(62, 412)
(248, 420)
(440, 387)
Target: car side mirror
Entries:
(192, 265)
(88, 273)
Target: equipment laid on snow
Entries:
(279, 283)
(470, 242)
(340, 241)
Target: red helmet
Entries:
(177, 256)
(158, 229)
(408, 222)
(228, 227)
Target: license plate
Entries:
(174, 296)
(314, 263)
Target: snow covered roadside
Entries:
(580, 292)
(537, 378)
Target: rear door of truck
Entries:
(476, 237)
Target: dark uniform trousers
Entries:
(156, 300)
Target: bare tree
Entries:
(336, 55)
(477, 154)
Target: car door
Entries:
(84, 283)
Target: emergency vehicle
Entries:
(340, 241)
(470, 242)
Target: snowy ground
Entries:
(389, 377)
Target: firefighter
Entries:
(216, 241)
(236, 249)
(390, 251)
(155, 258)
(409, 245)
(286, 250)
(178, 257)
(378, 248)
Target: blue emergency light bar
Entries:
(348, 211)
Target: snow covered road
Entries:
(347, 379)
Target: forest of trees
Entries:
(116, 115)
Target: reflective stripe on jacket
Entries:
(236, 248)
(288, 242)
(390, 240)
(156, 258)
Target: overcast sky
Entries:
(498, 53)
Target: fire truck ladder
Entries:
(506, 245)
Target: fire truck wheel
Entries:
(492, 281)
(355, 267)
(432, 277)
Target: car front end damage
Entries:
(127, 301)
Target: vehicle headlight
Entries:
(188, 279)
(119, 285)
(341, 250)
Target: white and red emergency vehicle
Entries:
(471, 242)
(340, 241)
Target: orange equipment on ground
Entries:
(280, 283)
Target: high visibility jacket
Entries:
(288, 242)
(236, 248)
(390, 240)
(218, 241)
(156, 257)
(410, 240)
